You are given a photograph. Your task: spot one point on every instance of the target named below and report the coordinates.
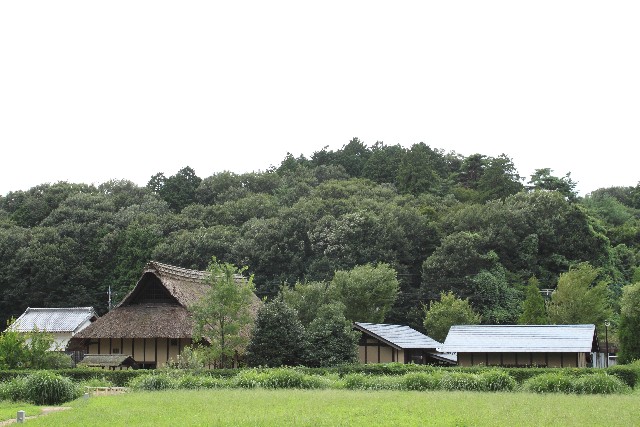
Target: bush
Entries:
(462, 381)
(153, 382)
(282, 378)
(599, 384)
(421, 381)
(250, 378)
(14, 390)
(47, 388)
(496, 380)
(629, 374)
(553, 382)
(369, 382)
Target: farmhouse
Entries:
(62, 323)
(152, 324)
(522, 345)
(381, 343)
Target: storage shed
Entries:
(383, 343)
(522, 345)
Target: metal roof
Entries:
(401, 337)
(53, 319)
(520, 339)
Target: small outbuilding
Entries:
(383, 343)
(522, 345)
(62, 323)
(108, 361)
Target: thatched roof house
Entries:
(152, 323)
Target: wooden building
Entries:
(152, 324)
(522, 345)
(61, 323)
(382, 343)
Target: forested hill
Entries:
(441, 220)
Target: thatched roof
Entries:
(158, 306)
(107, 360)
(186, 286)
(139, 321)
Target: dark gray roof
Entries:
(398, 336)
(520, 338)
(107, 360)
(53, 319)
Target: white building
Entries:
(62, 323)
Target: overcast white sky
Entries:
(91, 91)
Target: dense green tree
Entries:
(629, 327)
(499, 179)
(192, 248)
(330, 338)
(383, 163)
(306, 299)
(460, 256)
(449, 311)
(543, 180)
(580, 298)
(178, 190)
(422, 170)
(222, 318)
(277, 338)
(493, 298)
(367, 291)
(533, 308)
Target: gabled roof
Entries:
(107, 360)
(521, 339)
(398, 336)
(186, 286)
(168, 317)
(53, 319)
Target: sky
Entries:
(92, 91)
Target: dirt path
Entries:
(45, 410)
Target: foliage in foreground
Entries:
(40, 388)
(251, 407)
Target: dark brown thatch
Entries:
(107, 360)
(140, 321)
(158, 306)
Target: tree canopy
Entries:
(442, 221)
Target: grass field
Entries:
(346, 408)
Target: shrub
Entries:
(14, 390)
(496, 380)
(599, 384)
(282, 378)
(153, 382)
(421, 381)
(250, 378)
(552, 382)
(462, 381)
(370, 382)
(47, 388)
(629, 374)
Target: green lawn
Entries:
(9, 410)
(347, 408)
